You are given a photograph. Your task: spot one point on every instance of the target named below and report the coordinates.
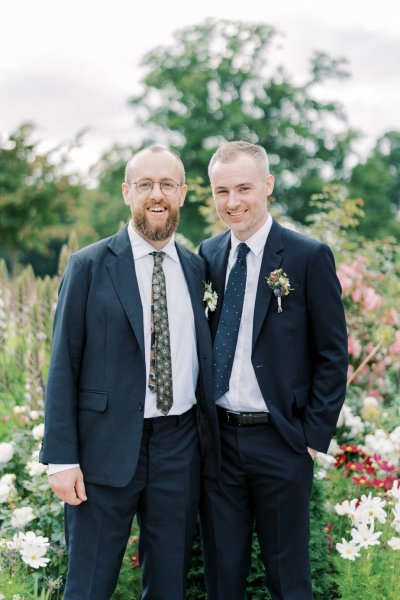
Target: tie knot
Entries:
(242, 250)
(158, 258)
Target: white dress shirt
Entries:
(244, 393)
(185, 366)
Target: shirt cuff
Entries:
(57, 468)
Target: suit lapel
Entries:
(194, 279)
(271, 260)
(123, 275)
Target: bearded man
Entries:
(129, 411)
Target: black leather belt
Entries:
(240, 419)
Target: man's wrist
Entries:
(57, 468)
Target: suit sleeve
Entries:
(60, 443)
(329, 345)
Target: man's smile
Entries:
(236, 213)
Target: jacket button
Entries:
(141, 407)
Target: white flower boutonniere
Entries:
(279, 283)
(210, 298)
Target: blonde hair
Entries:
(229, 151)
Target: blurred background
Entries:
(84, 84)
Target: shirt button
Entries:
(141, 406)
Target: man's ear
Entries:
(270, 184)
(183, 192)
(125, 193)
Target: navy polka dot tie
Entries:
(229, 323)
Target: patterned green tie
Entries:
(160, 376)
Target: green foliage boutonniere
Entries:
(279, 283)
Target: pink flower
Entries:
(354, 346)
(357, 294)
(371, 300)
(395, 348)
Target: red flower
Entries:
(362, 480)
(350, 448)
(355, 466)
(135, 560)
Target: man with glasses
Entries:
(128, 398)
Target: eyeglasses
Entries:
(145, 186)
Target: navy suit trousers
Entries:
(164, 493)
(263, 481)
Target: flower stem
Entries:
(364, 362)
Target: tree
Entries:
(377, 182)
(37, 199)
(217, 82)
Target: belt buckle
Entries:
(230, 417)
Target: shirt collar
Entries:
(256, 242)
(141, 247)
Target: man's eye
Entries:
(145, 185)
(221, 192)
(244, 188)
(168, 185)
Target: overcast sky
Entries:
(72, 65)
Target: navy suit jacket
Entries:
(299, 356)
(96, 386)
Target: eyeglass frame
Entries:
(178, 185)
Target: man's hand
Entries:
(68, 485)
(312, 452)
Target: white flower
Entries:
(6, 452)
(396, 526)
(34, 556)
(22, 516)
(32, 548)
(394, 543)
(381, 443)
(370, 401)
(371, 508)
(354, 422)
(325, 460)
(7, 487)
(365, 536)
(395, 491)
(38, 431)
(348, 550)
(5, 493)
(346, 508)
(334, 447)
(35, 468)
(395, 437)
(396, 517)
(18, 410)
(210, 298)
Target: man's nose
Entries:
(156, 191)
(233, 199)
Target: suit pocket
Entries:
(301, 396)
(92, 400)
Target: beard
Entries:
(152, 232)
